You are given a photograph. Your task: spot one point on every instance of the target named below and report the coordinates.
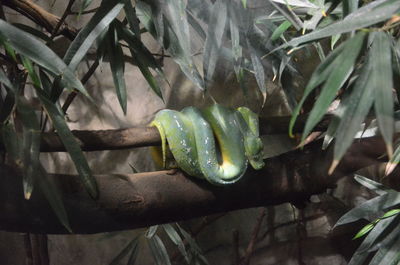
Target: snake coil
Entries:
(216, 143)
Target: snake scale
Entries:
(216, 143)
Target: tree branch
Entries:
(41, 17)
(136, 200)
(149, 136)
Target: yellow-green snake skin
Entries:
(190, 135)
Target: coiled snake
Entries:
(221, 159)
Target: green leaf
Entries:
(393, 162)
(215, 33)
(132, 18)
(30, 144)
(117, 65)
(70, 143)
(391, 213)
(11, 142)
(382, 80)
(33, 31)
(349, 6)
(106, 13)
(280, 30)
(369, 209)
(150, 19)
(362, 253)
(356, 108)
(370, 14)
(53, 195)
(365, 230)
(4, 79)
(176, 238)
(132, 247)
(27, 45)
(258, 70)
(179, 23)
(374, 186)
(85, 4)
(159, 251)
(388, 254)
(151, 231)
(144, 59)
(335, 81)
(31, 71)
(320, 74)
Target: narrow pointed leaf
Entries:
(33, 31)
(334, 82)
(369, 209)
(391, 213)
(87, 36)
(280, 30)
(258, 70)
(11, 142)
(215, 32)
(374, 186)
(151, 231)
(361, 254)
(365, 230)
(31, 71)
(71, 145)
(176, 238)
(27, 45)
(382, 80)
(132, 18)
(356, 109)
(30, 144)
(318, 77)
(370, 14)
(393, 162)
(179, 23)
(388, 254)
(159, 251)
(117, 65)
(53, 196)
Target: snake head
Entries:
(254, 151)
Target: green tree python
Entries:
(216, 143)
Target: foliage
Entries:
(382, 241)
(358, 70)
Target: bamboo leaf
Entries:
(365, 230)
(53, 196)
(215, 33)
(151, 231)
(356, 107)
(87, 35)
(391, 213)
(159, 251)
(70, 143)
(382, 80)
(318, 77)
(393, 162)
(374, 186)
(30, 144)
(335, 81)
(388, 254)
(33, 31)
(278, 32)
(176, 238)
(370, 14)
(27, 45)
(117, 65)
(132, 18)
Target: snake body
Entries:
(215, 143)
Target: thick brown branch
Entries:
(147, 136)
(40, 16)
(136, 200)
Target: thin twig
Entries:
(84, 80)
(253, 240)
(62, 19)
(93, 10)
